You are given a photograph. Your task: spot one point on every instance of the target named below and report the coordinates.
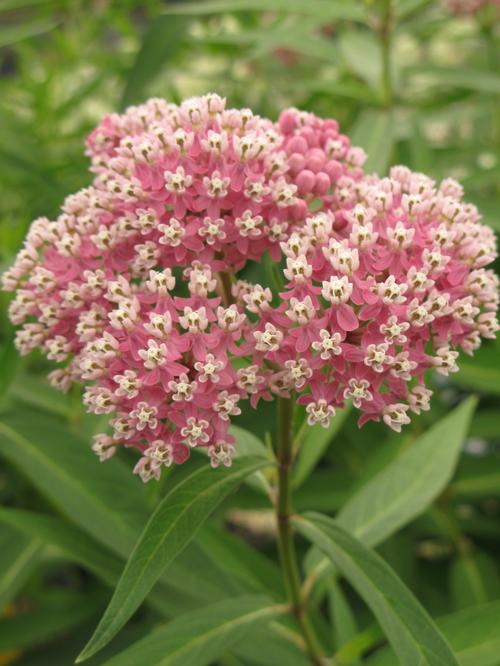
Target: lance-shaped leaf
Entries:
(407, 486)
(171, 527)
(18, 556)
(473, 634)
(61, 465)
(201, 637)
(412, 633)
(68, 539)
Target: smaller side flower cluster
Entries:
(378, 291)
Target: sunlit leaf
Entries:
(173, 524)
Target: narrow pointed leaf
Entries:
(68, 539)
(201, 637)
(473, 634)
(326, 9)
(18, 555)
(407, 486)
(412, 633)
(173, 524)
(61, 465)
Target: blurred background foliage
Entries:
(410, 83)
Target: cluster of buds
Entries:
(133, 288)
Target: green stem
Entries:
(286, 544)
(385, 35)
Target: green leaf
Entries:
(408, 485)
(18, 555)
(11, 34)
(485, 424)
(62, 467)
(39, 394)
(46, 623)
(247, 444)
(326, 9)
(69, 540)
(201, 637)
(173, 524)
(237, 558)
(478, 377)
(473, 634)
(314, 444)
(477, 80)
(411, 632)
(160, 44)
(474, 579)
(477, 478)
(342, 618)
(374, 132)
(361, 53)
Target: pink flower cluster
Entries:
(385, 285)
(133, 288)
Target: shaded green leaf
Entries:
(68, 539)
(200, 637)
(10, 34)
(63, 468)
(472, 633)
(326, 9)
(314, 444)
(43, 624)
(477, 478)
(478, 80)
(374, 132)
(18, 555)
(342, 618)
(361, 53)
(160, 44)
(474, 579)
(411, 632)
(237, 558)
(247, 444)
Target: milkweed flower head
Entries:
(125, 289)
(134, 290)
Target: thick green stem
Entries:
(385, 34)
(284, 511)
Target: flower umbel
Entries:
(134, 290)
